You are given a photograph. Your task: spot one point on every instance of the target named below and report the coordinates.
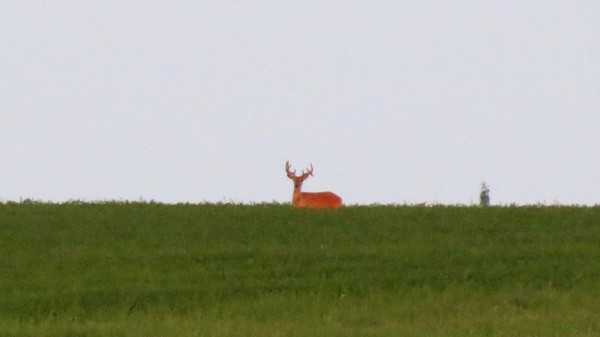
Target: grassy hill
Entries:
(147, 269)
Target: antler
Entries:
(292, 175)
(309, 172)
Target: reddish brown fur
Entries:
(310, 199)
(316, 200)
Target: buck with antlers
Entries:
(307, 199)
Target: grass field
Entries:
(147, 269)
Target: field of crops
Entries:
(148, 269)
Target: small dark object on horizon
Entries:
(484, 196)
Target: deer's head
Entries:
(298, 180)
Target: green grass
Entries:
(147, 269)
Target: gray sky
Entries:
(392, 101)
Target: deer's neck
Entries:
(297, 195)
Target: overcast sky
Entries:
(391, 101)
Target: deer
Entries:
(310, 199)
